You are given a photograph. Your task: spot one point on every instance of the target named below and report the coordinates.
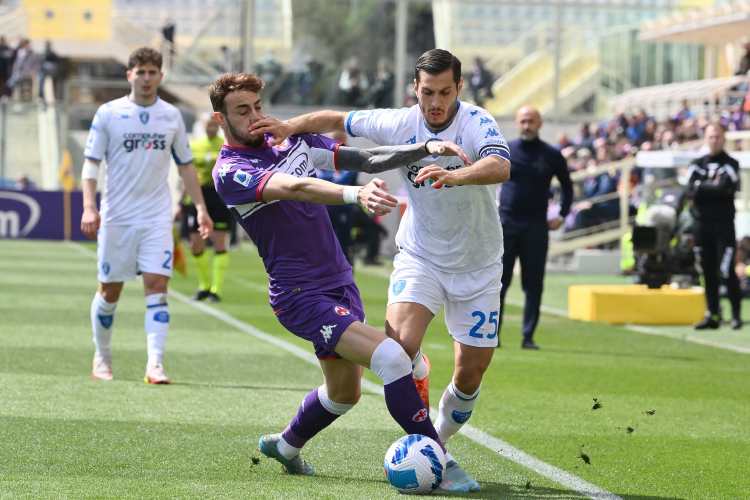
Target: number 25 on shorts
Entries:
(481, 318)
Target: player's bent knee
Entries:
(336, 404)
(390, 362)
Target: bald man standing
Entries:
(523, 213)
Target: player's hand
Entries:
(436, 176)
(447, 148)
(375, 198)
(277, 129)
(555, 223)
(90, 222)
(205, 224)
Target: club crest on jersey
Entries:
(242, 178)
(341, 311)
(420, 416)
(398, 287)
(143, 116)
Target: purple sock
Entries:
(407, 408)
(311, 418)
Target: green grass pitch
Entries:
(63, 435)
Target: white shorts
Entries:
(471, 300)
(124, 251)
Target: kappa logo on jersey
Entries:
(224, 170)
(484, 121)
(491, 133)
(327, 332)
(147, 141)
(474, 113)
(413, 140)
(341, 311)
(242, 178)
(143, 116)
(420, 416)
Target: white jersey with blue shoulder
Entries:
(456, 229)
(137, 143)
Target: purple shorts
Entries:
(321, 316)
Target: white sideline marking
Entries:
(647, 330)
(504, 449)
(554, 311)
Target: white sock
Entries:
(102, 316)
(454, 411)
(420, 368)
(156, 324)
(287, 450)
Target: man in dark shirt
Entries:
(523, 213)
(713, 181)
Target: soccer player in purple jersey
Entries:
(275, 197)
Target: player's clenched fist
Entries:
(374, 196)
(90, 221)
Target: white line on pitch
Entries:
(504, 449)
(554, 311)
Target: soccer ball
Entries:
(414, 464)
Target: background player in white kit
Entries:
(450, 240)
(136, 135)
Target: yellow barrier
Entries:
(636, 304)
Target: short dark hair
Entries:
(232, 82)
(144, 55)
(717, 125)
(435, 61)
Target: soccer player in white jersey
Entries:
(450, 240)
(137, 135)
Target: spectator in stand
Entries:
(563, 141)
(51, 67)
(480, 82)
(684, 113)
(381, 94)
(352, 83)
(586, 139)
(6, 66)
(744, 66)
(24, 68)
(168, 32)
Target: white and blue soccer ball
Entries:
(414, 464)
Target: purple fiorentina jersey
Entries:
(295, 239)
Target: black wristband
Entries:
(431, 139)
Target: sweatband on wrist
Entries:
(351, 194)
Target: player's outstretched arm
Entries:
(488, 170)
(373, 196)
(190, 181)
(90, 219)
(380, 159)
(315, 122)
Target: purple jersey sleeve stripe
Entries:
(92, 158)
(349, 123)
(262, 185)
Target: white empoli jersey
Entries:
(137, 143)
(456, 229)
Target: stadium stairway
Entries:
(532, 81)
(23, 152)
